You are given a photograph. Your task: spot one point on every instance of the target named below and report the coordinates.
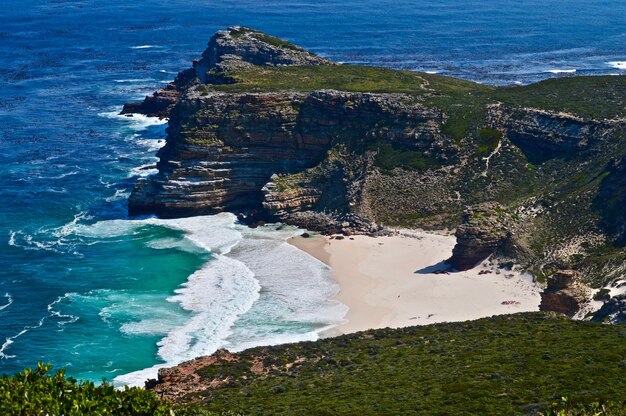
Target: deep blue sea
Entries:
(83, 286)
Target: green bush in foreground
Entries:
(36, 392)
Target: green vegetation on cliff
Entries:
(351, 78)
(505, 365)
(465, 102)
(590, 97)
(597, 97)
(392, 156)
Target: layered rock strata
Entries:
(482, 231)
(544, 134)
(224, 149)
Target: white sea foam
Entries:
(9, 301)
(133, 80)
(293, 315)
(65, 318)
(10, 340)
(69, 228)
(135, 122)
(618, 65)
(55, 190)
(119, 194)
(150, 144)
(143, 170)
(144, 47)
(561, 71)
(7, 343)
(41, 238)
(62, 175)
(27, 242)
(175, 243)
(12, 237)
(224, 298)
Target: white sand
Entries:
(389, 282)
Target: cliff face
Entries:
(262, 126)
(223, 149)
(543, 135)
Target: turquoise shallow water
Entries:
(83, 286)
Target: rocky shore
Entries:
(263, 128)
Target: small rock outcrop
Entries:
(563, 294)
(482, 231)
(175, 382)
(160, 103)
(239, 47)
(228, 49)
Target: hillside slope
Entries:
(506, 365)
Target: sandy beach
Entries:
(393, 281)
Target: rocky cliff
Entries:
(263, 127)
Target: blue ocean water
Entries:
(83, 286)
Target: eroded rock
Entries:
(564, 294)
(482, 231)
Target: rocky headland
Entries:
(266, 129)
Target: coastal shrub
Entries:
(37, 392)
(488, 140)
(505, 365)
(396, 156)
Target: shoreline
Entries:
(398, 281)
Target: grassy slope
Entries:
(465, 101)
(592, 97)
(496, 366)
